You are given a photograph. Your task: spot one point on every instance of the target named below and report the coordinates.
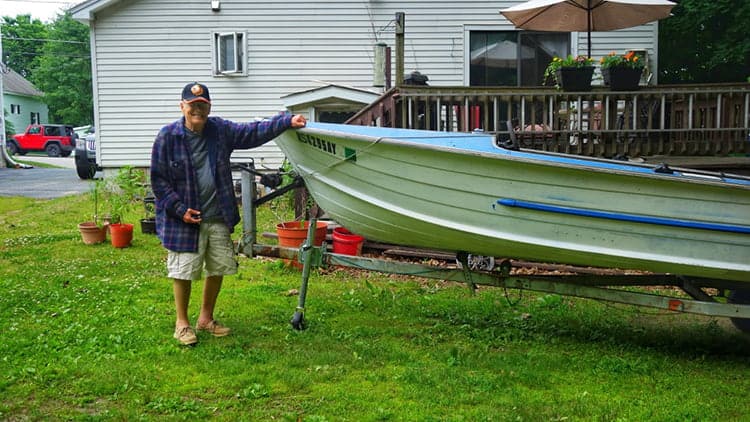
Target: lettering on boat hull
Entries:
(320, 143)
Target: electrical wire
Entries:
(38, 1)
(44, 40)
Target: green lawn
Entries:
(87, 335)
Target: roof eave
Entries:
(86, 11)
(349, 94)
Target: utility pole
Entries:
(2, 102)
(5, 159)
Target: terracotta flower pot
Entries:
(91, 233)
(293, 233)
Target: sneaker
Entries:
(186, 335)
(214, 327)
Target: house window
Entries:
(15, 109)
(513, 58)
(229, 51)
(34, 117)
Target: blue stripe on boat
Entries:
(508, 202)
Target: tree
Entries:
(63, 72)
(21, 43)
(705, 41)
(9, 129)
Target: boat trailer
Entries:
(733, 296)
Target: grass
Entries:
(86, 335)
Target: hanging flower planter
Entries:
(572, 73)
(622, 72)
(622, 78)
(575, 79)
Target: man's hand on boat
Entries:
(298, 121)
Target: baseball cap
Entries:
(195, 91)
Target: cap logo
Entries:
(197, 90)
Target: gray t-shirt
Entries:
(206, 184)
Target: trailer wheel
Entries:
(298, 321)
(741, 297)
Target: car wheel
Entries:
(85, 171)
(53, 150)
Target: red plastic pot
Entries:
(121, 234)
(347, 243)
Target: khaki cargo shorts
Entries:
(215, 253)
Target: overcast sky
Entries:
(44, 10)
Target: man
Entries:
(195, 205)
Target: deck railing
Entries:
(658, 120)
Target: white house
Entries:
(313, 57)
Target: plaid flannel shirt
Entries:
(175, 184)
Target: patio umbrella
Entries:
(586, 15)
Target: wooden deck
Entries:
(665, 120)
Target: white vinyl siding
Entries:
(146, 50)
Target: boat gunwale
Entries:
(680, 174)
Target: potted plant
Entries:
(622, 72)
(123, 191)
(148, 223)
(91, 231)
(572, 73)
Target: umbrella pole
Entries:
(588, 22)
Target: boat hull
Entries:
(459, 192)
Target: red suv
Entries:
(55, 140)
